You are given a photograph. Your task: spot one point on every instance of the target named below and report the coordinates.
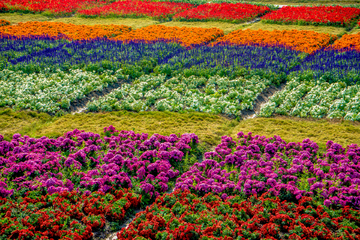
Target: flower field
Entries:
(92, 184)
(322, 15)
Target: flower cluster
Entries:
(64, 215)
(305, 41)
(67, 30)
(182, 215)
(157, 10)
(255, 165)
(322, 15)
(238, 12)
(187, 36)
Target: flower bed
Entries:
(317, 100)
(305, 41)
(236, 12)
(182, 215)
(54, 6)
(67, 30)
(215, 95)
(187, 36)
(4, 22)
(255, 165)
(157, 10)
(319, 15)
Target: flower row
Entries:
(65, 215)
(257, 165)
(54, 6)
(67, 30)
(236, 12)
(183, 215)
(305, 41)
(157, 10)
(323, 15)
(218, 95)
(87, 162)
(318, 100)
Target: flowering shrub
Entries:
(54, 6)
(322, 15)
(237, 12)
(157, 10)
(317, 100)
(67, 30)
(347, 41)
(255, 165)
(4, 22)
(64, 215)
(305, 41)
(183, 215)
(187, 36)
(214, 95)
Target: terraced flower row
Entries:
(82, 185)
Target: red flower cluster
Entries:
(238, 12)
(182, 215)
(322, 15)
(55, 6)
(157, 10)
(67, 215)
(3, 7)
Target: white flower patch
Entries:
(213, 95)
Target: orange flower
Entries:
(305, 41)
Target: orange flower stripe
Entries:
(348, 41)
(187, 36)
(72, 31)
(305, 41)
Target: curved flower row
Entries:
(255, 165)
(305, 41)
(326, 15)
(157, 10)
(183, 215)
(239, 12)
(68, 30)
